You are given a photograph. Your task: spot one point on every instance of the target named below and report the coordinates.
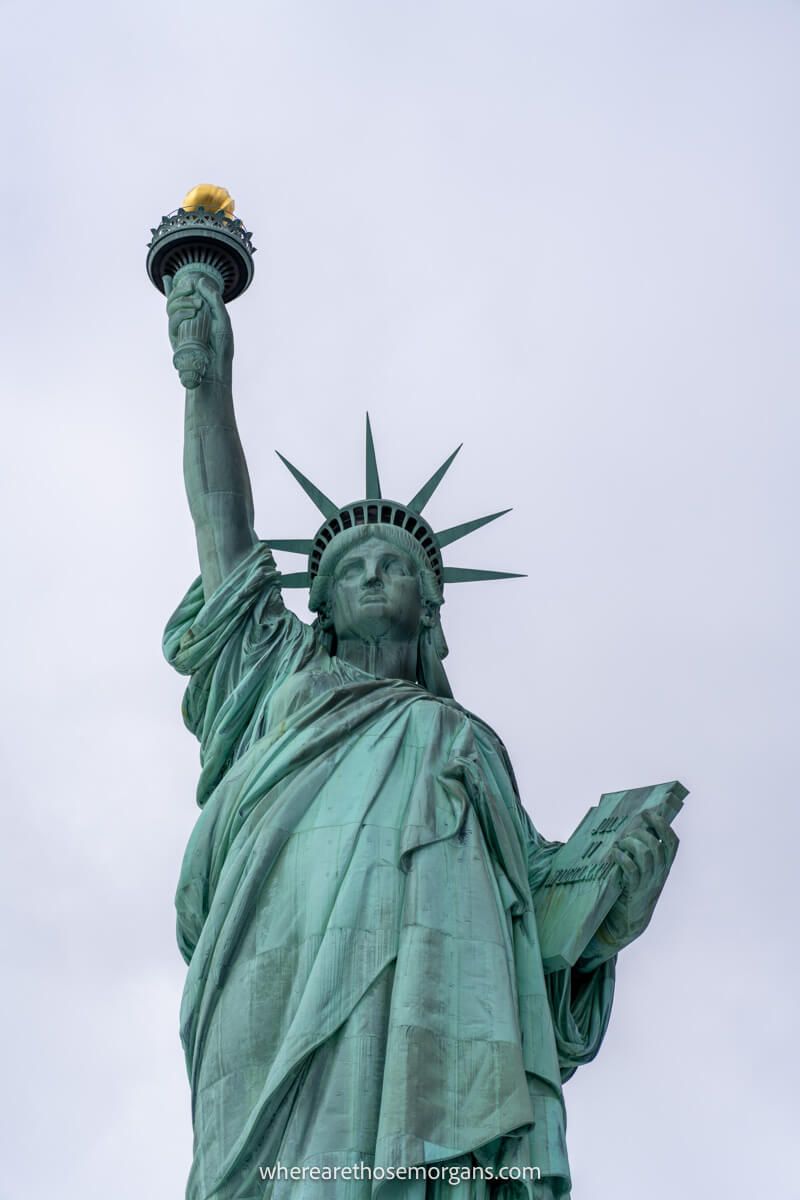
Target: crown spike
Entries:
(295, 579)
(293, 545)
(467, 575)
(323, 503)
(373, 482)
(456, 532)
(426, 491)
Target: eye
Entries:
(350, 570)
(395, 566)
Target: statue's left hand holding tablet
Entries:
(645, 856)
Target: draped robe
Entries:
(364, 981)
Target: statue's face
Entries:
(376, 593)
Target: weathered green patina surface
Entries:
(356, 904)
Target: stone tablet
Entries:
(584, 878)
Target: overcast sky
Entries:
(564, 234)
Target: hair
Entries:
(432, 644)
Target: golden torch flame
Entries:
(212, 199)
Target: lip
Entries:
(373, 598)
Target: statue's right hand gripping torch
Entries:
(202, 237)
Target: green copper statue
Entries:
(391, 973)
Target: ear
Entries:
(325, 618)
(429, 615)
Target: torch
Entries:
(202, 237)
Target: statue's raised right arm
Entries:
(214, 466)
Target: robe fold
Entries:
(364, 980)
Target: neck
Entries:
(380, 657)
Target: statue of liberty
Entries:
(366, 1000)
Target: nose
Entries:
(373, 576)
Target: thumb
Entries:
(211, 294)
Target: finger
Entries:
(177, 318)
(657, 860)
(183, 308)
(648, 858)
(661, 863)
(210, 293)
(166, 281)
(186, 283)
(667, 850)
(666, 834)
(629, 867)
(183, 293)
(643, 849)
(632, 841)
(648, 836)
(657, 823)
(186, 306)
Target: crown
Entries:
(375, 510)
(203, 231)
